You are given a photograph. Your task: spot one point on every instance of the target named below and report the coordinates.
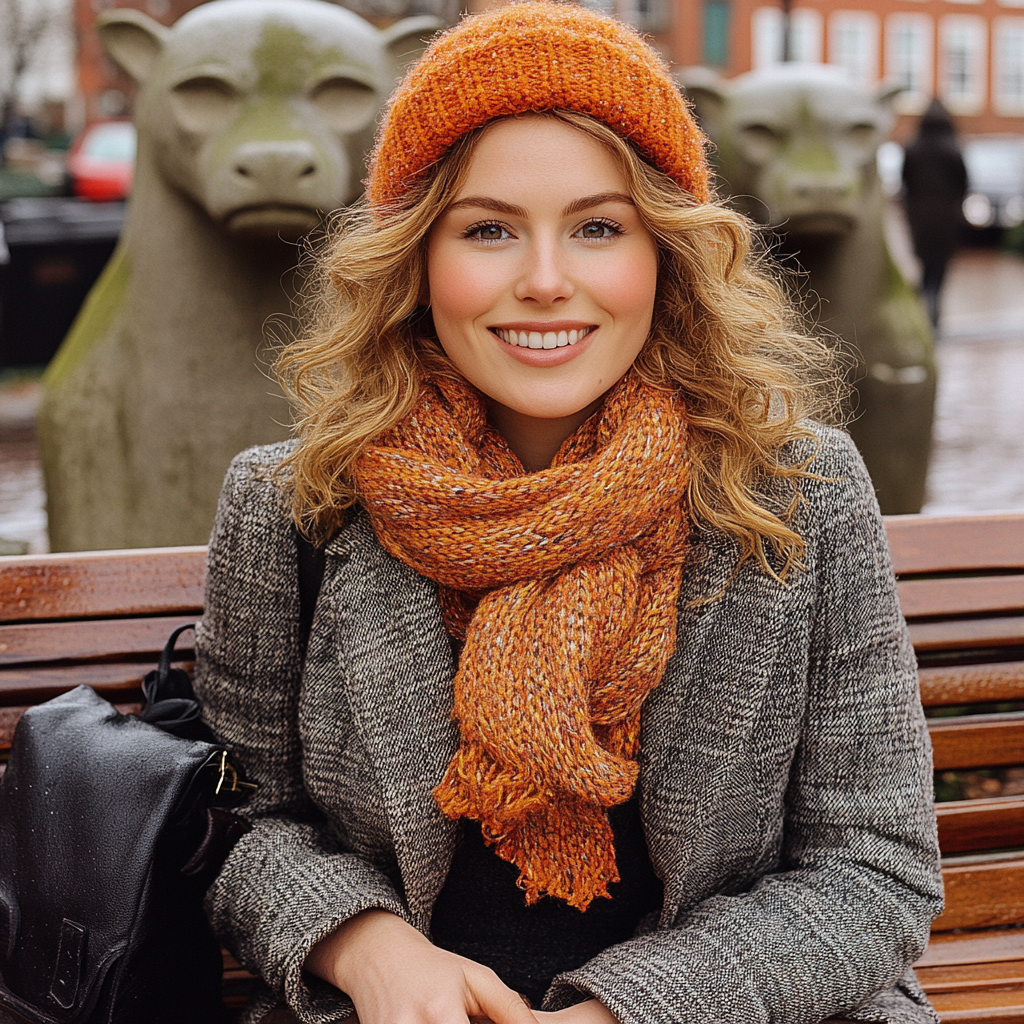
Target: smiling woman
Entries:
(607, 712)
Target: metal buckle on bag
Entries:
(229, 774)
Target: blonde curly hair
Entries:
(723, 334)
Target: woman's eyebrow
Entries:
(587, 202)
(576, 206)
(487, 203)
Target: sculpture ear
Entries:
(406, 40)
(708, 94)
(887, 93)
(132, 40)
(885, 97)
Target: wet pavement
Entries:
(22, 497)
(978, 449)
(978, 456)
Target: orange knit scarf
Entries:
(564, 585)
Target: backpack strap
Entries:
(312, 561)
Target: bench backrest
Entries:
(102, 617)
(961, 585)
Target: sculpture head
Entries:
(796, 143)
(261, 111)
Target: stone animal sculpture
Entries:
(796, 150)
(254, 117)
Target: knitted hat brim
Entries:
(536, 56)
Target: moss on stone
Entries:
(286, 63)
(94, 320)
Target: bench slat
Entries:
(985, 1006)
(111, 640)
(9, 720)
(102, 584)
(972, 595)
(956, 543)
(34, 685)
(964, 977)
(972, 948)
(982, 894)
(969, 825)
(962, 634)
(977, 741)
(969, 684)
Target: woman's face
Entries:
(541, 273)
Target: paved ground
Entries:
(22, 499)
(978, 458)
(978, 455)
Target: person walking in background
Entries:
(934, 184)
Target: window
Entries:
(716, 32)
(645, 15)
(1008, 66)
(804, 36)
(853, 44)
(908, 59)
(962, 56)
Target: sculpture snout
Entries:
(822, 190)
(817, 203)
(276, 168)
(276, 188)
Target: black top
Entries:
(482, 914)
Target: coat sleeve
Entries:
(832, 931)
(286, 884)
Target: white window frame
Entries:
(805, 36)
(963, 51)
(862, 63)
(644, 15)
(765, 37)
(912, 69)
(1007, 66)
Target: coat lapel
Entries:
(695, 775)
(400, 671)
(700, 804)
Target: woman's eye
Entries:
(488, 232)
(599, 229)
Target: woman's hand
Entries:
(394, 975)
(590, 1012)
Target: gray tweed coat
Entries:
(785, 772)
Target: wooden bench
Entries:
(101, 618)
(961, 584)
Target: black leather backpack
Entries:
(111, 829)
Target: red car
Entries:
(102, 160)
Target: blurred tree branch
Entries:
(23, 23)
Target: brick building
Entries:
(970, 53)
(104, 91)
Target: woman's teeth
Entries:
(534, 339)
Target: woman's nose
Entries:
(544, 278)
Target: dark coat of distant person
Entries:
(934, 182)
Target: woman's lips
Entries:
(544, 348)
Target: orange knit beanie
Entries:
(534, 56)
